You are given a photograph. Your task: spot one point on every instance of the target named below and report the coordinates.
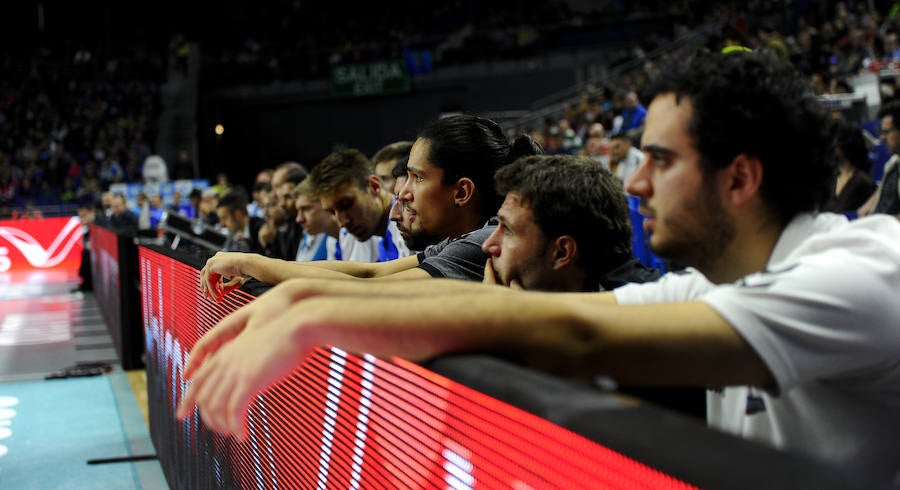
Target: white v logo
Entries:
(35, 253)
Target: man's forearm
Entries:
(668, 344)
(274, 271)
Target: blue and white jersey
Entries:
(317, 247)
(376, 249)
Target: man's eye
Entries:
(659, 158)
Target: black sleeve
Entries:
(459, 259)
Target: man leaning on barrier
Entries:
(789, 315)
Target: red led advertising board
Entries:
(40, 244)
(347, 420)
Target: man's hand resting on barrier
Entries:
(244, 353)
(222, 274)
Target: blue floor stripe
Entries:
(55, 427)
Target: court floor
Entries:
(70, 416)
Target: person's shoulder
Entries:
(878, 223)
(873, 236)
(632, 271)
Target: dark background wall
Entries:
(264, 130)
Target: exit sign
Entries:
(379, 78)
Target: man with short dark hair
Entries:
(122, 219)
(243, 229)
(347, 187)
(320, 230)
(886, 198)
(288, 234)
(624, 158)
(564, 226)
(386, 159)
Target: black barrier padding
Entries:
(198, 260)
(121, 304)
(675, 444)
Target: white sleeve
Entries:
(670, 288)
(828, 315)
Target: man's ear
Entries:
(374, 184)
(745, 175)
(465, 192)
(565, 252)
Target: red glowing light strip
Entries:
(411, 416)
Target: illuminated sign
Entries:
(379, 78)
(343, 420)
(45, 243)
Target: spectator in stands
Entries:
(596, 149)
(288, 233)
(223, 184)
(624, 158)
(177, 202)
(87, 213)
(348, 188)
(206, 209)
(265, 175)
(110, 172)
(852, 184)
(275, 218)
(122, 219)
(243, 229)
(139, 203)
(386, 158)
(320, 229)
(596, 130)
(67, 194)
(571, 142)
(193, 208)
(106, 200)
(447, 196)
(260, 195)
(564, 226)
(142, 210)
(553, 141)
(633, 114)
(156, 209)
(399, 214)
(399, 175)
(791, 313)
(886, 198)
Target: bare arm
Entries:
(223, 272)
(681, 343)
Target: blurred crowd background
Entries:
(94, 97)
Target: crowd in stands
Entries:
(830, 42)
(470, 201)
(293, 41)
(72, 123)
